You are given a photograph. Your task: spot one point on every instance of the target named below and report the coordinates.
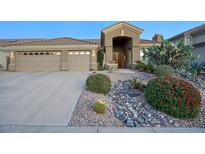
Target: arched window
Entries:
(30, 53)
(25, 53)
(47, 53)
(36, 53)
(41, 53)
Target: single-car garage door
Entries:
(38, 61)
(79, 60)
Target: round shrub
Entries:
(98, 83)
(163, 70)
(174, 96)
(100, 106)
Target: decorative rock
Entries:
(122, 118)
(149, 115)
(140, 120)
(129, 122)
(133, 106)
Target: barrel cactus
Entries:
(100, 106)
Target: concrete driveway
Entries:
(39, 98)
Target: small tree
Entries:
(168, 53)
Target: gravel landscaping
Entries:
(135, 112)
(84, 116)
(127, 106)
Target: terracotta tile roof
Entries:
(97, 41)
(47, 42)
(14, 42)
(57, 41)
(143, 41)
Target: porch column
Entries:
(12, 64)
(108, 54)
(64, 58)
(135, 54)
(93, 60)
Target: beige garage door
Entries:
(79, 61)
(38, 61)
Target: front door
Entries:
(119, 58)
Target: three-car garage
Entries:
(51, 61)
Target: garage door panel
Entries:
(37, 62)
(79, 61)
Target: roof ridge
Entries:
(178, 35)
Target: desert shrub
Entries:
(168, 53)
(174, 96)
(100, 68)
(163, 70)
(143, 67)
(112, 67)
(100, 106)
(137, 84)
(98, 83)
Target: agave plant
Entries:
(195, 65)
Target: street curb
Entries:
(68, 129)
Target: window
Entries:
(25, 53)
(47, 53)
(188, 40)
(30, 53)
(41, 53)
(36, 53)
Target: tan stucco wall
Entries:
(122, 31)
(64, 55)
(3, 55)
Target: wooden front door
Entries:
(119, 58)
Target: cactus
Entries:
(100, 106)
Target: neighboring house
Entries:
(194, 37)
(120, 42)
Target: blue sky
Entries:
(87, 29)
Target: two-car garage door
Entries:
(38, 61)
(51, 61)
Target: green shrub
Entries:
(137, 84)
(174, 96)
(98, 83)
(100, 106)
(100, 68)
(168, 53)
(143, 67)
(163, 70)
(112, 67)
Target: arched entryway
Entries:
(121, 43)
(122, 47)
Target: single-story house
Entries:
(120, 43)
(194, 37)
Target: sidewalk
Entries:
(65, 129)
